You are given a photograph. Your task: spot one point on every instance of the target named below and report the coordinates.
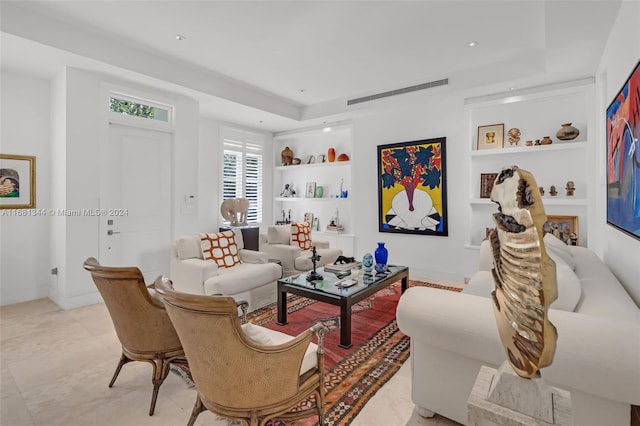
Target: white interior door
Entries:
(136, 229)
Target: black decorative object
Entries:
(313, 275)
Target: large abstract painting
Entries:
(623, 157)
(412, 196)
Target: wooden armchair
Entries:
(239, 374)
(141, 321)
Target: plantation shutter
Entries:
(242, 169)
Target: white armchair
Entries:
(253, 279)
(278, 245)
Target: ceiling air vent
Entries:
(422, 86)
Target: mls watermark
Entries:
(64, 212)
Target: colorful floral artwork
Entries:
(623, 157)
(411, 187)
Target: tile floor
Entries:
(55, 367)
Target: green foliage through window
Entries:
(131, 108)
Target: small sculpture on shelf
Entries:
(235, 211)
(286, 156)
(541, 189)
(514, 136)
(313, 275)
(546, 141)
(334, 225)
(552, 191)
(537, 142)
(571, 187)
(288, 191)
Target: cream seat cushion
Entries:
(267, 337)
(242, 277)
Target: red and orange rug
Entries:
(352, 375)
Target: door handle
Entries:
(112, 232)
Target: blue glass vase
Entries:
(381, 254)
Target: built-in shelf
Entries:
(313, 165)
(299, 199)
(535, 112)
(547, 201)
(530, 149)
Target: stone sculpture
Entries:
(571, 187)
(524, 275)
(235, 211)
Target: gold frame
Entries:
(23, 163)
(490, 137)
(567, 225)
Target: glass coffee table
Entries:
(330, 290)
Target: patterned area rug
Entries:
(352, 375)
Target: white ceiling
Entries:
(290, 64)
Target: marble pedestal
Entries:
(501, 397)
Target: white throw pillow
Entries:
(569, 287)
(555, 245)
(189, 247)
(279, 234)
(257, 334)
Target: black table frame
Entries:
(344, 302)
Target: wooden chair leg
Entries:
(123, 361)
(197, 409)
(160, 372)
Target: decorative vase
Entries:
(286, 156)
(567, 132)
(331, 155)
(546, 141)
(319, 192)
(381, 254)
(367, 262)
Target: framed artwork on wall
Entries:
(563, 227)
(17, 181)
(486, 184)
(412, 194)
(490, 137)
(623, 157)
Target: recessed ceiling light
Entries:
(472, 43)
(512, 88)
(180, 37)
(302, 90)
(326, 129)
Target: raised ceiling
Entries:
(282, 65)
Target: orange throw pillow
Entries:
(301, 235)
(221, 248)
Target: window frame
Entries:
(247, 144)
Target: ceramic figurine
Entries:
(288, 191)
(553, 191)
(541, 189)
(546, 141)
(571, 187)
(537, 142)
(529, 143)
(514, 136)
(286, 156)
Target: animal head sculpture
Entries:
(235, 211)
(524, 275)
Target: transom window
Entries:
(138, 108)
(242, 169)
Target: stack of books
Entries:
(342, 267)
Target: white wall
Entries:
(24, 240)
(427, 256)
(620, 251)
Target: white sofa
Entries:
(597, 355)
(276, 242)
(253, 280)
